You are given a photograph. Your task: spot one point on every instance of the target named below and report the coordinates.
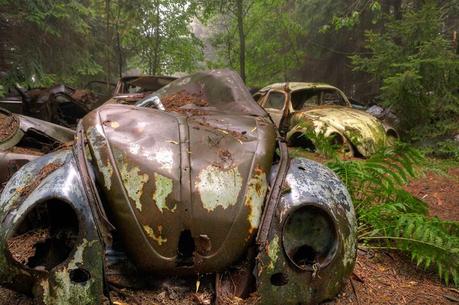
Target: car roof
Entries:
(293, 86)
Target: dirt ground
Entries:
(391, 278)
(379, 277)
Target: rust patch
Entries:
(42, 174)
(151, 233)
(25, 151)
(8, 126)
(256, 192)
(175, 101)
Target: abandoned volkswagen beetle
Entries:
(308, 113)
(203, 186)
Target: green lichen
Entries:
(273, 252)
(133, 182)
(163, 187)
(97, 142)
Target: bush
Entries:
(391, 218)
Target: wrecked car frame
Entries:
(309, 113)
(204, 186)
(23, 139)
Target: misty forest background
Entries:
(401, 54)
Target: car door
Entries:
(275, 104)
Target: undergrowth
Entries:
(391, 218)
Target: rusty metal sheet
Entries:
(165, 173)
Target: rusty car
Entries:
(23, 139)
(192, 179)
(307, 113)
(58, 104)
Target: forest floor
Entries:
(385, 277)
(379, 277)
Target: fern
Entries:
(390, 217)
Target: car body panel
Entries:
(364, 131)
(28, 139)
(361, 133)
(168, 167)
(62, 183)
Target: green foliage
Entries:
(390, 217)
(448, 149)
(272, 37)
(44, 36)
(418, 69)
(159, 38)
(73, 42)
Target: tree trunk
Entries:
(240, 26)
(108, 44)
(156, 69)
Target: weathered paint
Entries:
(151, 233)
(163, 187)
(133, 182)
(58, 289)
(219, 187)
(273, 252)
(308, 182)
(54, 286)
(255, 197)
(360, 128)
(97, 140)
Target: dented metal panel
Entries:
(62, 184)
(358, 133)
(308, 183)
(168, 172)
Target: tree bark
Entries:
(157, 39)
(240, 26)
(108, 43)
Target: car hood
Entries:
(175, 184)
(364, 131)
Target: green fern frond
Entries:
(391, 218)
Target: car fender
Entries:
(51, 182)
(279, 281)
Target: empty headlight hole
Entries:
(279, 279)
(79, 275)
(46, 236)
(309, 237)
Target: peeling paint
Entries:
(62, 290)
(151, 233)
(163, 187)
(165, 157)
(134, 148)
(273, 252)
(97, 140)
(133, 182)
(255, 198)
(219, 187)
